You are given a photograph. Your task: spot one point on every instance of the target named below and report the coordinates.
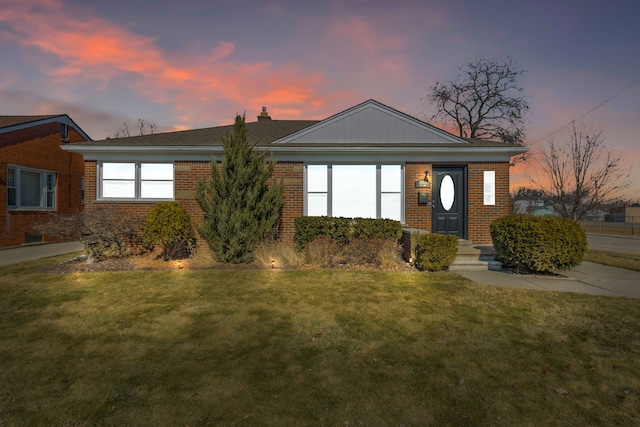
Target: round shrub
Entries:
(538, 244)
(169, 224)
(436, 251)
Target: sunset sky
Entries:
(195, 63)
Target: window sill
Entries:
(133, 200)
(30, 209)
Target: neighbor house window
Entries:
(354, 191)
(136, 180)
(64, 131)
(30, 188)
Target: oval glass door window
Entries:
(447, 192)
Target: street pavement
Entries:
(625, 244)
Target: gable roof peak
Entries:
(371, 122)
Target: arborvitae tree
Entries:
(240, 207)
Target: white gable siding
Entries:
(371, 123)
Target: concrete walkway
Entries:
(588, 278)
(29, 253)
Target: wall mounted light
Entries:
(426, 182)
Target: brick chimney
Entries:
(264, 115)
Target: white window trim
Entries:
(44, 190)
(489, 188)
(137, 182)
(379, 191)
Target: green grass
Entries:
(270, 347)
(614, 259)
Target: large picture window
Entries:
(30, 188)
(354, 191)
(136, 180)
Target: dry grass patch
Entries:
(614, 259)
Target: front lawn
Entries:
(326, 347)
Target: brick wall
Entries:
(38, 147)
(187, 176)
(189, 173)
(479, 216)
(416, 215)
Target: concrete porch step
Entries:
(475, 258)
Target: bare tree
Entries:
(104, 233)
(581, 173)
(485, 101)
(143, 128)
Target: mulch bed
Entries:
(149, 263)
(80, 265)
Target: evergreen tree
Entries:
(240, 208)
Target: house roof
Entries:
(8, 121)
(260, 133)
(13, 123)
(369, 131)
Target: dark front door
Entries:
(450, 201)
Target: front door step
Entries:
(475, 258)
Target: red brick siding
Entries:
(292, 175)
(187, 176)
(38, 147)
(416, 215)
(189, 173)
(481, 215)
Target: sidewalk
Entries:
(29, 253)
(588, 278)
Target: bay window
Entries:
(30, 188)
(355, 191)
(136, 181)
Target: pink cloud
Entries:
(92, 48)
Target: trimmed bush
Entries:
(342, 230)
(169, 224)
(538, 245)
(436, 252)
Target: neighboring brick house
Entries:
(367, 161)
(37, 177)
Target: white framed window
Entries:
(30, 188)
(317, 190)
(136, 181)
(355, 191)
(64, 131)
(489, 187)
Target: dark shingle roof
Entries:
(260, 133)
(6, 121)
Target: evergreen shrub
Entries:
(538, 244)
(436, 252)
(241, 201)
(169, 224)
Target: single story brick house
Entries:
(37, 177)
(368, 161)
